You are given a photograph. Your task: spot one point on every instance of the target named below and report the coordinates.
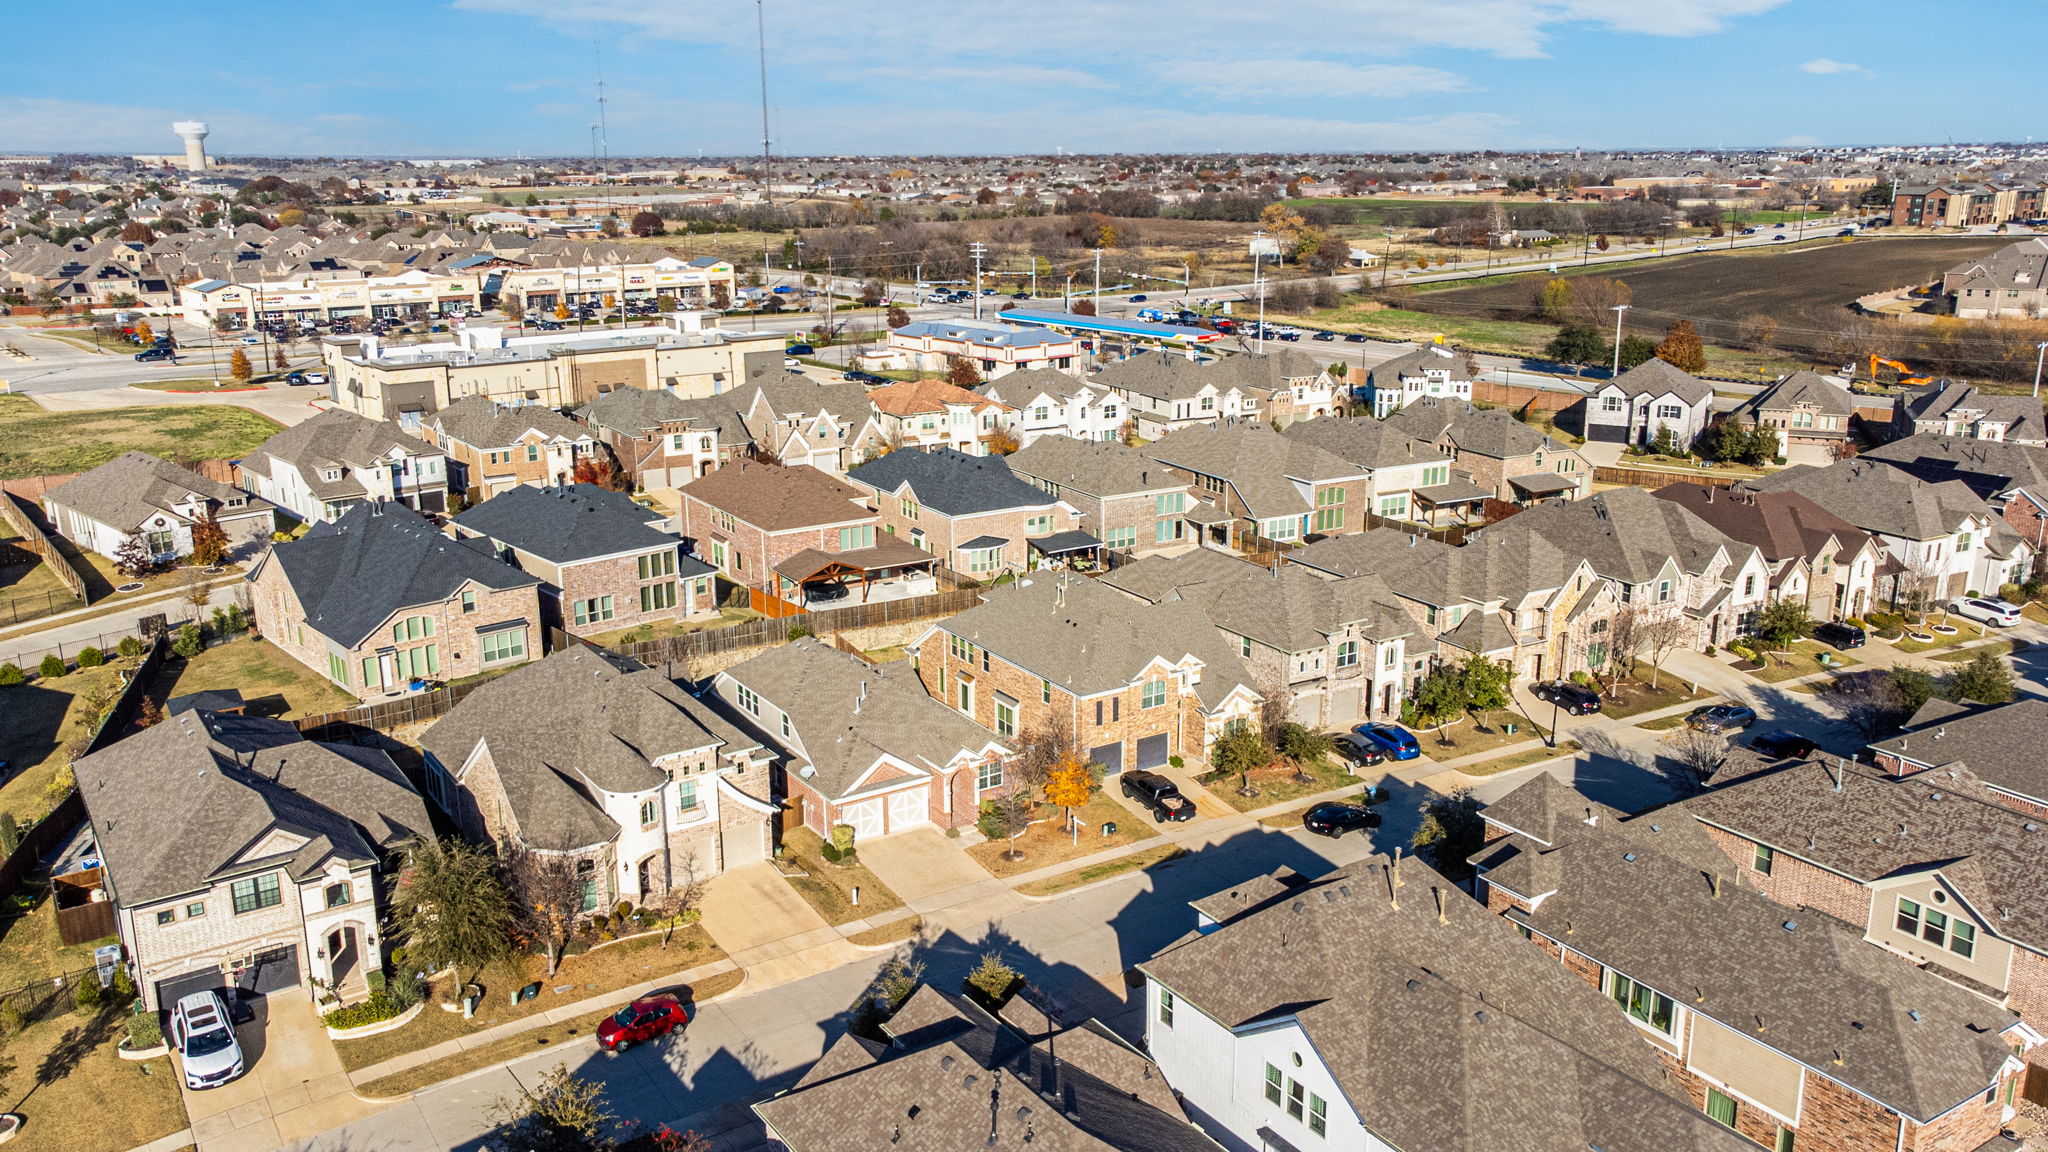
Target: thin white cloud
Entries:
(1264, 79)
(42, 124)
(1801, 140)
(1822, 66)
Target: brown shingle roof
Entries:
(778, 499)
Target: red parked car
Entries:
(642, 1020)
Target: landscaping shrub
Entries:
(130, 646)
(51, 667)
(123, 991)
(144, 1030)
(992, 982)
(86, 994)
(10, 675)
(189, 642)
(91, 658)
(11, 1019)
(991, 822)
(382, 1005)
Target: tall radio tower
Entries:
(767, 163)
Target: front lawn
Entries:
(1142, 860)
(1278, 783)
(76, 1094)
(1802, 659)
(1514, 760)
(227, 384)
(1467, 737)
(1966, 632)
(272, 683)
(592, 973)
(1048, 842)
(1635, 696)
(828, 887)
(35, 442)
(1965, 655)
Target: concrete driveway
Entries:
(928, 871)
(294, 1087)
(767, 927)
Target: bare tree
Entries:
(685, 892)
(1656, 635)
(547, 897)
(1693, 759)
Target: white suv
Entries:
(1997, 613)
(204, 1036)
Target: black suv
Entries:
(1782, 745)
(1839, 636)
(1568, 696)
(1160, 795)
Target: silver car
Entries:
(204, 1036)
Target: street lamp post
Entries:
(2040, 351)
(1618, 310)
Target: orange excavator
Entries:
(1905, 380)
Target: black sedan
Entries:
(1722, 718)
(1335, 819)
(1358, 750)
(1568, 696)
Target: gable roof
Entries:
(1987, 467)
(1626, 533)
(336, 438)
(911, 397)
(637, 411)
(354, 573)
(1365, 442)
(481, 422)
(1490, 432)
(1092, 467)
(1879, 498)
(778, 499)
(1284, 607)
(1781, 525)
(1801, 389)
(2001, 745)
(951, 482)
(1657, 376)
(567, 523)
(1263, 466)
(134, 486)
(1428, 358)
(1489, 566)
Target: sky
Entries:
(459, 78)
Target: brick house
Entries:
(935, 414)
(493, 448)
(971, 512)
(1997, 744)
(1952, 408)
(1121, 496)
(137, 495)
(1135, 684)
(862, 744)
(750, 521)
(1959, 896)
(276, 876)
(318, 469)
(1337, 646)
(592, 755)
(1405, 479)
(1785, 1027)
(1647, 400)
(797, 420)
(1266, 484)
(656, 438)
(2011, 478)
(379, 599)
(1804, 408)
(1814, 556)
(604, 562)
(1510, 460)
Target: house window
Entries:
(586, 877)
(1170, 503)
(1644, 1003)
(1391, 657)
(723, 521)
(167, 916)
(988, 774)
(657, 597)
(1347, 654)
(1006, 715)
(1784, 1141)
(649, 811)
(1045, 691)
(656, 564)
(1669, 412)
(1121, 538)
(1318, 1115)
(1297, 1098)
(964, 693)
(858, 536)
(1329, 510)
(532, 452)
(1286, 528)
(1937, 928)
(1165, 1008)
(507, 645)
(340, 894)
(960, 648)
(1274, 1091)
(748, 700)
(468, 603)
(1038, 526)
(1749, 585)
(594, 610)
(686, 796)
(160, 543)
(1153, 694)
(1394, 507)
(1721, 1106)
(412, 628)
(337, 669)
(256, 892)
(195, 910)
(1244, 645)
(1436, 474)
(1610, 403)
(787, 727)
(1041, 414)
(1764, 856)
(1663, 591)
(983, 559)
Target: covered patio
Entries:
(1074, 549)
(1458, 502)
(1537, 487)
(891, 570)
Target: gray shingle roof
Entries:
(1626, 532)
(1490, 432)
(1171, 376)
(1365, 442)
(2001, 745)
(1093, 467)
(481, 422)
(1388, 373)
(1987, 467)
(1445, 1032)
(175, 805)
(353, 574)
(1656, 376)
(569, 523)
(1879, 498)
(1259, 463)
(1802, 388)
(340, 439)
(1951, 399)
(636, 411)
(134, 486)
(1286, 607)
(1491, 566)
(951, 482)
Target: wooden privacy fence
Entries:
(35, 540)
(385, 715)
(1653, 478)
(757, 633)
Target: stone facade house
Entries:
(1952, 408)
(593, 756)
(654, 437)
(2011, 478)
(1134, 684)
(321, 468)
(1255, 481)
(935, 414)
(1122, 497)
(1655, 395)
(2011, 282)
(1805, 408)
(604, 562)
(750, 521)
(1431, 370)
(379, 599)
(1491, 450)
(493, 448)
(971, 512)
(1787, 1027)
(137, 495)
(862, 744)
(1166, 392)
(795, 420)
(238, 854)
(1815, 557)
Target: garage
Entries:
(1110, 756)
(906, 809)
(169, 992)
(1345, 707)
(1153, 751)
(865, 818)
(270, 970)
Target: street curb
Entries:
(1124, 875)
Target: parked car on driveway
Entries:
(1783, 745)
(646, 1019)
(1996, 613)
(204, 1035)
(1158, 794)
(1391, 739)
(1722, 718)
(1839, 636)
(1335, 819)
(1568, 696)
(1359, 750)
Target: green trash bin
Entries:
(1510, 729)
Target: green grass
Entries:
(829, 887)
(1514, 760)
(34, 442)
(37, 721)
(1661, 724)
(1278, 784)
(1967, 632)
(1467, 738)
(273, 683)
(1801, 660)
(1964, 656)
(1142, 860)
(30, 949)
(227, 384)
(31, 590)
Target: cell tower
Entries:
(194, 134)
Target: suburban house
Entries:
(593, 756)
(321, 468)
(1634, 407)
(1805, 408)
(1815, 557)
(1431, 370)
(1489, 449)
(1787, 1027)
(863, 744)
(137, 495)
(380, 600)
(1516, 599)
(1099, 1091)
(1133, 684)
(285, 887)
(1405, 479)
(604, 562)
(1166, 391)
(1952, 408)
(995, 350)
(1055, 405)
(1664, 562)
(971, 512)
(493, 448)
(781, 530)
(1123, 497)
(1997, 744)
(795, 420)
(935, 414)
(1961, 895)
(1941, 540)
(2012, 281)
(1253, 480)
(1379, 1008)
(2011, 478)
(1338, 646)
(655, 437)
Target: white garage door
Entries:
(866, 818)
(906, 809)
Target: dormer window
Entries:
(331, 474)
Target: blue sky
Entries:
(499, 77)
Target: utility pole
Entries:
(830, 285)
(2040, 351)
(1387, 265)
(1067, 295)
(1259, 289)
(1618, 310)
(1187, 282)
(1098, 279)
(977, 250)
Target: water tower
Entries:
(194, 133)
